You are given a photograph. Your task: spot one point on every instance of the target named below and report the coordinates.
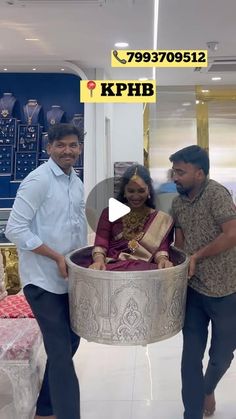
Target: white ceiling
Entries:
(85, 34)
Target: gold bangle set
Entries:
(100, 254)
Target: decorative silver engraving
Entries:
(132, 326)
(127, 308)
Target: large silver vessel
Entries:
(127, 308)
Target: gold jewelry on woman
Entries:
(135, 175)
(98, 254)
(162, 254)
(133, 244)
(98, 250)
(133, 225)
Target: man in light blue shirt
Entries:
(48, 221)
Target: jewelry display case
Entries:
(24, 164)
(28, 137)
(29, 105)
(8, 129)
(43, 155)
(6, 159)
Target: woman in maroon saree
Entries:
(140, 240)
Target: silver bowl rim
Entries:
(118, 274)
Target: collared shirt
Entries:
(48, 209)
(200, 220)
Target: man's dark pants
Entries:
(200, 311)
(59, 393)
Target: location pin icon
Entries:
(91, 85)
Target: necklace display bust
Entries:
(7, 105)
(55, 115)
(31, 112)
(78, 120)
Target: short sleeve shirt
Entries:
(200, 220)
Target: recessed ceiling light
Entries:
(143, 78)
(205, 90)
(5, 69)
(216, 78)
(31, 39)
(62, 69)
(186, 104)
(197, 102)
(34, 69)
(121, 44)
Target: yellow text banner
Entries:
(117, 91)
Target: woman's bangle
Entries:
(161, 255)
(100, 254)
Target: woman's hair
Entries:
(143, 173)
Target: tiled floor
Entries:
(137, 383)
(140, 382)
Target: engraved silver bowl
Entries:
(127, 308)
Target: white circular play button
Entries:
(101, 197)
(116, 210)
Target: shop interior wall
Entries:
(48, 88)
(173, 126)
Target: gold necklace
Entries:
(30, 116)
(133, 224)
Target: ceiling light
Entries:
(5, 69)
(205, 90)
(197, 102)
(31, 39)
(216, 78)
(62, 69)
(186, 104)
(34, 69)
(121, 44)
(143, 78)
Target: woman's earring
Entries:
(149, 196)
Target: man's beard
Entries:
(181, 190)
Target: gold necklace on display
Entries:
(133, 224)
(5, 112)
(30, 117)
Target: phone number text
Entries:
(159, 58)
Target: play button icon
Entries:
(104, 196)
(116, 210)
